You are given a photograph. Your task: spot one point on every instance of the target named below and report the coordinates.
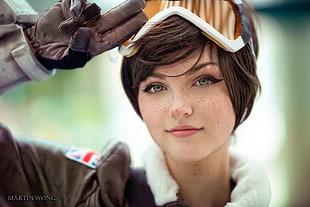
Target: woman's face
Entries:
(189, 115)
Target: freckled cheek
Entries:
(217, 108)
(153, 114)
(151, 109)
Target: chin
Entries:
(188, 157)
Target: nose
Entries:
(180, 106)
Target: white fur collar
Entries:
(252, 186)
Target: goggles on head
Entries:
(225, 22)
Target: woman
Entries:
(192, 95)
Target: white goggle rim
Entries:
(227, 44)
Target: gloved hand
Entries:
(73, 31)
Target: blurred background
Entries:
(87, 107)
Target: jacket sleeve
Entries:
(17, 62)
(37, 172)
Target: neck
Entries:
(205, 182)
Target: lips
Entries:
(184, 131)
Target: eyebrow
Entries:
(187, 73)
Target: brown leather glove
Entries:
(73, 31)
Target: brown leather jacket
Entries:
(36, 173)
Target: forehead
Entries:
(181, 67)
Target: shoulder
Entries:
(252, 184)
(8, 153)
(138, 192)
(32, 166)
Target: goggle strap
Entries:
(242, 14)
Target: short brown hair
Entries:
(174, 40)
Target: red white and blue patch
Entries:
(83, 156)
